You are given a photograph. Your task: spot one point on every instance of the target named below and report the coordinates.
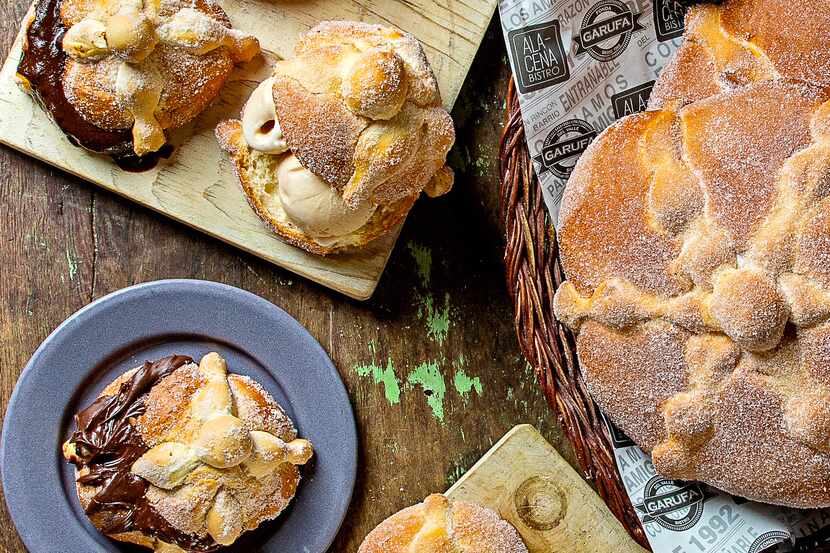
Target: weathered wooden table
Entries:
(431, 362)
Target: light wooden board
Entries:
(197, 186)
(529, 484)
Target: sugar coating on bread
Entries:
(703, 325)
(440, 525)
(221, 455)
(743, 41)
(360, 107)
(358, 111)
(148, 66)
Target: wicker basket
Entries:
(533, 274)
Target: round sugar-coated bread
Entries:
(192, 457)
(696, 245)
(440, 525)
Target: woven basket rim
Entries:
(533, 272)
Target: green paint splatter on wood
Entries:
(382, 375)
(385, 376)
(423, 260)
(72, 264)
(482, 165)
(464, 384)
(428, 376)
(437, 320)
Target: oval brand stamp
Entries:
(674, 506)
(606, 30)
(563, 146)
(767, 540)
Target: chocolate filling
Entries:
(107, 444)
(43, 64)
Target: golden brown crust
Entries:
(257, 171)
(793, 35)
(739, 168)
(359, 106)
(697, 283)
(590, 231)
(95, 103)
(745, 41)
(73, 12)
(322, 131)
(167, 405)
(175, 58)
(690, 76)
(184, 97)
(179, 410)
(333, 37)
(613, 358)
(392, 152)
(439, 525)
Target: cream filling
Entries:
(316, 207)
(303, 197)
(259, 121)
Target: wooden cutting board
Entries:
(529, 484)
(197, 186)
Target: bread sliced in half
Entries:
(257, 173)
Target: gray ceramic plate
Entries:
(145, 322)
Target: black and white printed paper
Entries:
(689, 517)
(579, 66)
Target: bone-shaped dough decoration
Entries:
(221, 442)
(130, 30)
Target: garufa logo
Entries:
(674, 506)
(606, 30)
(563, 146)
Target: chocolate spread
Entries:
(107, 444)
(43, 64)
